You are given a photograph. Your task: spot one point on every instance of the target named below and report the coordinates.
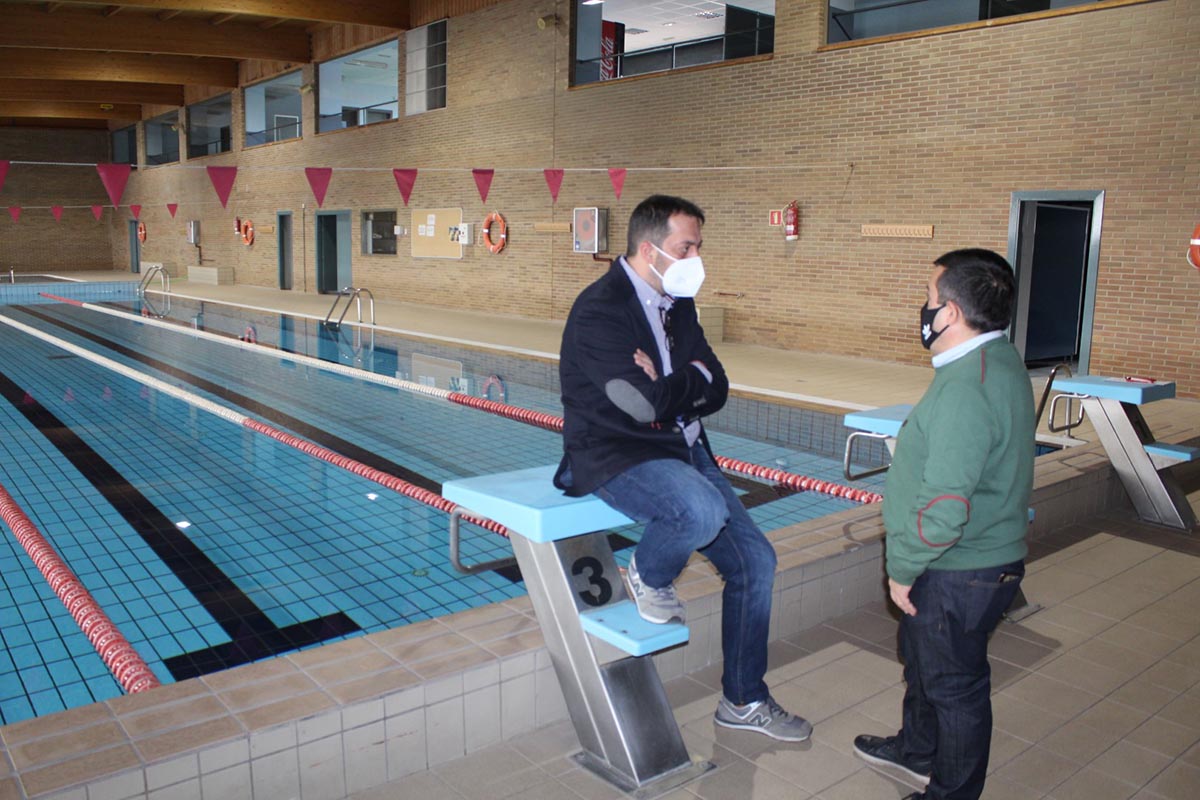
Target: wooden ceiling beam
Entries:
(78, 65)
(111, 11)
(221, 19)
(384, 13)
(49, 110)
(98, 91)
(28, 27)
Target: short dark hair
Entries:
(649, 221)
(981, 283)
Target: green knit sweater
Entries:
(957, 493)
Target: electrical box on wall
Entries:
(461, 233)
(591, 230)
(193, 231)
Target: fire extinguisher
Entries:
(237, 226)
(791, 222)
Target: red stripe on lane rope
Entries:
(403, 487)
(61, 299)
(118, 655)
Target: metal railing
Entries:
(455, 558)
(1070, 422)
(164, 280)
(353, 295)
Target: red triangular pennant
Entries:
(136, 211)
(114, 177)
(222, 180)
(405, 180)
(3, 172)
(553, 182)
(483, 181)
(617, 176)
(57, 212)
(172, 208)
(15, 213)
(97, 211)
(318, 179)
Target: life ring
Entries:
(498, 382)
(247, 232)
(141, 231)
(1193, 253)
(250, 335)
(495, 222)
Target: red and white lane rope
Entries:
(115, 650)
(357, 467)
(539, 419)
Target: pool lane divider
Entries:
(392, 482)
(528, 416)
(131, 672)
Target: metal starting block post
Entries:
(599, 645)
(1113, 406)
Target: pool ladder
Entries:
(353, 295)
(164, 283)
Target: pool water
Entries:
(210, 545)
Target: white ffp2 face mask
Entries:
(685, 276)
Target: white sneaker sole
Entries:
(764, 731)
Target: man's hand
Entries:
(647, 365)
(899, 594)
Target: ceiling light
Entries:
(592, 2)
(668, 24)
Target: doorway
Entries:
(1054, 246)
(135, 248)
(283, 227)
(333, 251)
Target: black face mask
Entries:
(928, 334)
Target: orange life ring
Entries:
(498, 382)
(141, 231)
(494, 221)
(247, 232)
(1193, 253)
(250, 335)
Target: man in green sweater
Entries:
(956, 508)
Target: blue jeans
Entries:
(948, 703)
(687, 507)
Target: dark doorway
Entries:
(284, 233)
(1054, 241)
(135, 248)
(333, 251)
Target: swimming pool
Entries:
(210, 545)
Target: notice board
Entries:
(434, 233)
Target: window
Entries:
(209, 126)
(124, 146)
(865, 19)
(379, 233)
(273, 109)
(425, 73)
(162, 138)
(616, 40)
(360, 88)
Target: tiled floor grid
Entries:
(1096, 697)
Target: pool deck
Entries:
(1096, 696)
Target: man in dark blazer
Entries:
(637, 375)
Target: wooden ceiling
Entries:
(86, 64)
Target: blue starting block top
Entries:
(526, 502)
(620, 625)
(1122, 389)
(887, 419)
(1179, 453)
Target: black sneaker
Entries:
(885, 752)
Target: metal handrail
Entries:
(12, 275)
(854, 435)
(1054, 405)
(354, 295)
(471, 569)
(164, 280)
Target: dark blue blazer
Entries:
(615, 416)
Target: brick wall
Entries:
(937, 130)
(36, 243)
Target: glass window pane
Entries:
(359, 88)
(273, 109)
(209, 126)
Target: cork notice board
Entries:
(434, 233)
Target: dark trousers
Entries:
(948, 704)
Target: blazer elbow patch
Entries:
(931, 504)
(622, 395)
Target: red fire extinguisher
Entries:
(791, 222)
(237, 226)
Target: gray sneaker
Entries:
(654, 605)
(766, 717)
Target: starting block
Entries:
(598, 643)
